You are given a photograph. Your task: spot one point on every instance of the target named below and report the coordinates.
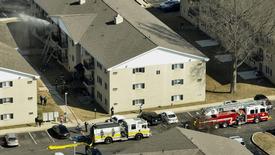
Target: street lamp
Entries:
(74, 147)
(66, 103)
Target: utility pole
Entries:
(66, 108)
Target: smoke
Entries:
(33, 20)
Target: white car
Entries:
(117, 118)
(11, 139)
(238, 138)
(169, 117)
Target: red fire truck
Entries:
(250, 113)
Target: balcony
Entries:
(88, 82)
(88, 64)
(258, 57)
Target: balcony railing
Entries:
(88, 82)
(88, 64)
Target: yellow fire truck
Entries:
(108, 132)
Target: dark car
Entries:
(61, 131)
(151, 117)
(92, 151)
(264, 98)
(170, 6)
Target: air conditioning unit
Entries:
(82, 2)
(118, 19)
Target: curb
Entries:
(102, 119)
(253, 141)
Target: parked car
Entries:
(117, 118)
(170, 5)
(239, 139)
(11, 139)
(267, 101)
(151, 117)
(61, 131)
(169, 117)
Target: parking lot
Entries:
(37, 142)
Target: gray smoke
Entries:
(33, 20)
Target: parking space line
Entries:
(50, 136)
(190, 114)
(32, 138)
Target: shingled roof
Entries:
(9, 56)
(113, 44)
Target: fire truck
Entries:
(231, 113)
(109, 132)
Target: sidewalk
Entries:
(48, 125)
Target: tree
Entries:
(238, 25)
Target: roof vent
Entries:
(82, 2)
(118, 19)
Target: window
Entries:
(262, 110)
(177, 66)
(177, 82)
(6, 84)
(138, 102)
(139, 70)
(114, 89)
(158, 72)
(72, 58)
(30, 98)
(138, 86)
(6, 100)
(72, 43)
(133, 126)
(6, 116)
(144, 126)
(99, 80)
(99, 65)
(252, 111)
(29, 82)
(30, 113)
(114, 73)
(106, 86)
(176, 97)
(99, 95)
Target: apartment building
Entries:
(128, 57)
(18, 84)
(204, 13)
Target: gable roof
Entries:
(9, 56)
(75, 29)
(112, 44)
(152, 27)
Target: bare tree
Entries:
(237, 25)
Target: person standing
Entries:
(41, 100)
(86, 126)
(36, 121)
(112, 111)
(45, 101)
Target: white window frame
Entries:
(6, 84)
(138, 70)
(177, 82)
(138, 86)
(4, 117)
(138, 101)
(177, 66)
(6, 100)
(177, 97)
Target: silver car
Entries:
(11, 139)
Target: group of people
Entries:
(38, 121)
(43, 100)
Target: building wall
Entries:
(103, 74)
(158, 87)
(24, 110)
